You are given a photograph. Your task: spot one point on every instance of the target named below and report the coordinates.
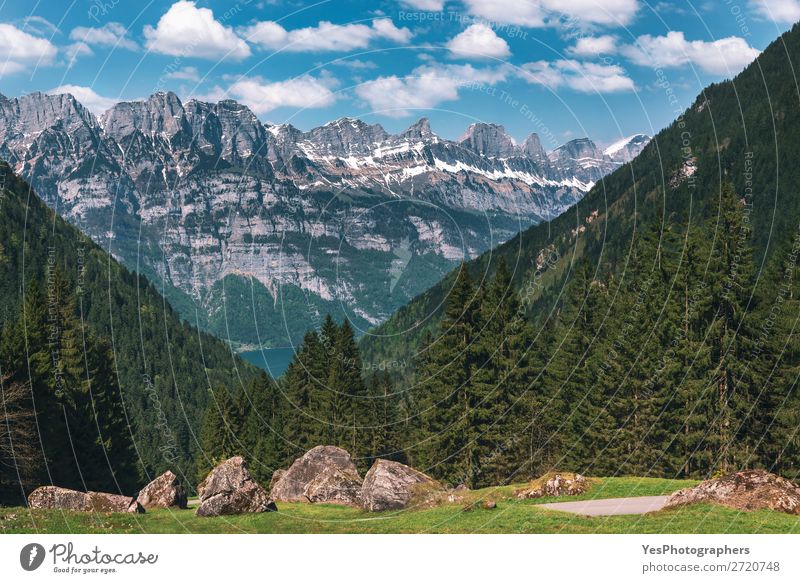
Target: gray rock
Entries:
(391, 485)
(54, 497)
(745, 490)
(323, 474)
(335, 486)
(488, 139)
(223, 189)
(165, 491)
(276, 476)
(229, 489)
(555, 484)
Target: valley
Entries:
(254, 231)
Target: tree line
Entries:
(683, 364)
(63, 416)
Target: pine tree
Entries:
(219, 432)
(447, 442)
(307, 398)
(261, 409)
(385, 415)
(499, 387)
(736, 374)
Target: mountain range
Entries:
(253, 231)
(741, 131)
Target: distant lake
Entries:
(273, 360)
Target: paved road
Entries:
(611, 506)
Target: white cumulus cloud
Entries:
(184, 74)
(537, 13)
(479, 41)
(433, 5)
(263, 96)
(591, 46)
(86, 95)
(521, 12)
(603, 12)
(76, 50)
(784, 11)
(188, 31)
(326, 36)
(577, 75)
(725, 56)
(20, 50)
(112, 34)
(427, 86)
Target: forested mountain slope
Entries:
(745, 131)
(77, 326)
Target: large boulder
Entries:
(746, 490)
(64, 499)
(165, 491)
(276, 477)
(391, 485)
(335, 486)
(323, 474)
(555, 484)
(229, 489)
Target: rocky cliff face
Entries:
(257, 230)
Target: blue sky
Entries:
(560, 68)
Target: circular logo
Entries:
(31, 556)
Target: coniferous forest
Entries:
(674, 368)
(652, 330)
(103, 386)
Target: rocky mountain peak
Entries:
(421, 130)
(532, 148)
(627, 149)
(346, 136)
(488, 139)
(162, 113)
(29, 116)
(579, 148)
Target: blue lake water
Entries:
(273, 360)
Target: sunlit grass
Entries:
(510, 516)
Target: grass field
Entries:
(510, 516)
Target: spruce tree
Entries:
(219, 433)
(447, 442)
(261, 409)
(307, 398)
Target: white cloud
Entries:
(521, 12)
(326, 36)
(92, 101)
(185, 74)
(355, 64)
(591, 46)
(433, 5)
(583, 77)
(20, 50)
(479, 41)
(112, 34)
(784, 11)
(605, 12)
(187, 31)
(537, 13)
(38, 26)
(76, 50)
(426, 87)
(725, 56)
(263, 96)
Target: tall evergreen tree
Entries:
(447, 443)
(261, 410)
(219, 434)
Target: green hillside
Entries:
(744, 131)
(100, 345)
